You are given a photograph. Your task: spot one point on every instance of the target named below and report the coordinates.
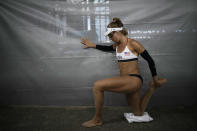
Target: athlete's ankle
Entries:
(153, 88)
(97, 118)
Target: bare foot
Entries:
(92, 123)
(161, 81)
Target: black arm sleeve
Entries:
(150, 61)
(105, 48)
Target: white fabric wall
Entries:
(43, 62)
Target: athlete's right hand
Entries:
(87, 43)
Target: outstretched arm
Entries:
(105, 48)
(89, 44)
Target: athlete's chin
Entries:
(116, 41)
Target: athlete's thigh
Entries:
(121, 84)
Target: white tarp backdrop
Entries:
(43, 63)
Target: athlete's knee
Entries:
(97, 86)
(138, 113)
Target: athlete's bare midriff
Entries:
(128, 68)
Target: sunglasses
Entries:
(110, 35)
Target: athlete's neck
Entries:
(123, 41)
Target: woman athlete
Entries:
(129, 82)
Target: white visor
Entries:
(109, 30)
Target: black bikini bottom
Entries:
(136, 75)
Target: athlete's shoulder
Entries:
(133, 42)
(136, 45)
